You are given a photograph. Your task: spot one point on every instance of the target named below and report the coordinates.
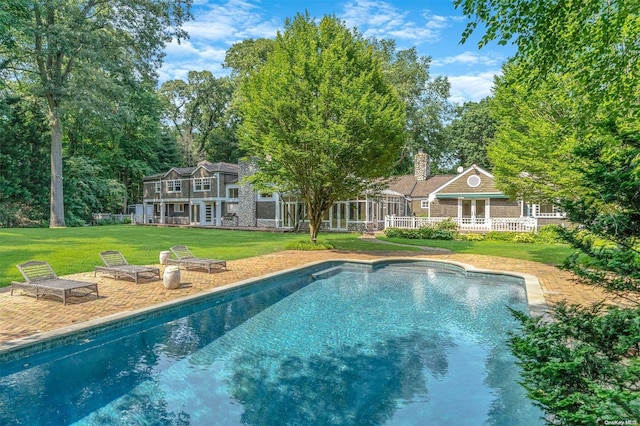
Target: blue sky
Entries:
(432, 26)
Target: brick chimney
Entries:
(421, 165)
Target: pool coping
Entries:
(535, 299)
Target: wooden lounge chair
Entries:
(185, 258)
(117, 266)
(42, 281)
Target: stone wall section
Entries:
(421, 165)
(246, 195)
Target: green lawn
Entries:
(71, 250)
(544, 253)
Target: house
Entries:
(214, 194)
(207, 194)
(470, 198)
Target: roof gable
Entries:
(462, 184)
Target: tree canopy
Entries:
(319, 117)
(469, 133)
(200, 111)
(569, 102)
(49, 43)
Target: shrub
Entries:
(447, 224)
(472, 237)
(307, 246)
(20, 215)
(549, 234)
(500, 236)
(523, 238)
(105, 221)
(422, 233)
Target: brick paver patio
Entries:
(22, 316)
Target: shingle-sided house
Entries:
(471, 198)
(214, 194)
(201, 195)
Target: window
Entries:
(424, 204)
(547, 210)
(267, 195)
(158, 186)
(178, 208)
(473, 181)
(232, 192)
(357, 211)
(202, 184)
(174, 185)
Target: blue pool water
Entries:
(398, 344)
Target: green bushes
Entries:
(307, 245)
(445, 230)
(471, 237)
(549, 234)
(524, 238)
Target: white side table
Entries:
(171, 277)
(164, 257)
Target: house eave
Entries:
(472, 195)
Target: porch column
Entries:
(162, 206)
(218, 205)
(277, 215)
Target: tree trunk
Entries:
(315, 221)
(57, 195)
(314, 227)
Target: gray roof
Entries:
(408, 185)
(210, 167)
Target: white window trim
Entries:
(158, 187)
(424, 204)
(205, 184)
(178, 208)
(171, 185)
(478, 182)
(269, 198)
(229, 187)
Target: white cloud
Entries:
(380, 19)
(467, 58)
(228, 22)
(472, 87)
(216, 28)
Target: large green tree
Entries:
(200, 112)
(23, 165)
(426, 103)
(319, 117)
(578, 72)
(50, 42)
(535, 136)
(469, 133)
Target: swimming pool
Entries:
(337, 343)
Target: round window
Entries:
(473, 181)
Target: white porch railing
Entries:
(524, 224)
